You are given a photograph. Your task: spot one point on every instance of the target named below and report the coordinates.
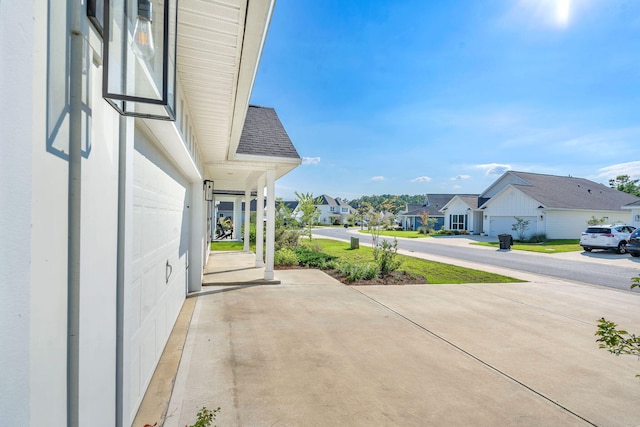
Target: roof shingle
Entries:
(264, 135)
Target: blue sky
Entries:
(443, 96)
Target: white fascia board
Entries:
(257, 21)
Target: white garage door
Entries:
(159, 267)
(504, 225)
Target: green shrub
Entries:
(285, 256)
(537, 238)
(356, 272)
(286, 238)
(385, 256)
(310, 258)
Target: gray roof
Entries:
(566, 192)
(264, 135)
(327, 200)
(633, 204)
(432, 204)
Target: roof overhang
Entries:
(219, 48)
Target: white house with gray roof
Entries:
(333, 210)
(556, 206)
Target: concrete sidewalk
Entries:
(313, 352)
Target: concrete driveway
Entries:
(313, 352)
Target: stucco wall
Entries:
(16, 80)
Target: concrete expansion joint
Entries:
(474, 357)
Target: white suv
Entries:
(606, 237)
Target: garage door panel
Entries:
(161, 232)
(504, 225)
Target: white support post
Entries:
(237, 209)
(247, 217)
(195, 260)
(271, 221)
(260, 223)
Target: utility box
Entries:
(506, 240)
(355, 243)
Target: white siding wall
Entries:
(48, 256)
(635, 217)
(499, 185)
(16, 83)
(160, 235)
(569, 224)
(513, 203)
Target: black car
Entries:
(633, 244)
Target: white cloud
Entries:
(421, 179)
(310, 160)
(460, 177)
(377, 178)
(494, 168)
(630, 168)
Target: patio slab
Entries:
(314, 352)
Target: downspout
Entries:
(120, 274)
(74, 229)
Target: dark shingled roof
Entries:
(264, 135)
(566, 192)
(433, 204)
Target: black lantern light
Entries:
(140, 57)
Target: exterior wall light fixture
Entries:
(139, 73)
(208, 190)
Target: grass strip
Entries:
(548, 247)
(398, 233)
(434, 272)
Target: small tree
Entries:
(428, 223)
(520, 226)
(375, 227)
(618, 341)
(596, 221)
(307, 207)
(385, 256)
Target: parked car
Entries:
(613, 237)
(633, 244)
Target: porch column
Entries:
(247, 217)
(237, 219)
(260, 223)
(271, 221)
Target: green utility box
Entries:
(355, 243)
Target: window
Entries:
(458, 222)
(333, 209)
(344, 210)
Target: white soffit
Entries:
(219, 48)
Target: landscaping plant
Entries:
(618, 341)
(520, 226)
(385, 256)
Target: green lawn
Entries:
(230, 246)
(398, 233)
(435, 272)
(548, 247)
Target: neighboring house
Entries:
(410, 218)
(556, 206)
(105, 219)
(333, 210)
(635, 213)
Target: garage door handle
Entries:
(167, 272)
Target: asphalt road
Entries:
(601, 268)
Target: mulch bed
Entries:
(397, 278)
